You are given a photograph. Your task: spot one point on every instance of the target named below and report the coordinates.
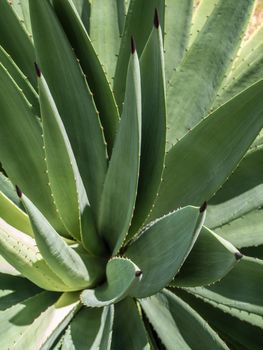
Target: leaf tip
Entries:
(238, 255)
(38, 71)
(19, 192)
(133, 46)
(156, 20)
(203, 207)
(138, 273)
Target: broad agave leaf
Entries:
(109, 154)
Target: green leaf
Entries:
(13, 215)
(8, 189)
(211, 259)
(190, 95)
(193, 174)
(138, 24)
(65, 181)
(172, 319)
(105, 33)
(22, 54)
(21, 252)
(75, 105)
(76, 269)
(242, 193)
(162, 247)
(20, 79)
(128, 332)
(14, 289)
(153, 126)
(242, 334)
(92, 68)
(245, 231)
(83, 8)
(202, 11)
(239, 289)
(90, 329)
(246, 70)
(17, 321)
(178, 15)
(47, 327)
(24, 158)
(22, 11)
(120, 187)
(122, 276)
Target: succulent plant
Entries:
(136, 115)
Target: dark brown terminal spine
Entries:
(38, 71)
(133, 46)
(156, 21)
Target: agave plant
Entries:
(136, 115)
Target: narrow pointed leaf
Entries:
(76, 270)
(21, 9)
(20, 251)
(120, 187)
(65, 181)
(90, 329)
(83, 9)
(138, 24)
(153, 126)
(210, 260)
(128, 332)
(24, 159)
(9, 190)
(194, 174)
(193, 87)
(122, 275)
(75, 105)
(172, 318)
(240, 289)
(177, 23)
(22, 54)
(92, 68)
(161, 248)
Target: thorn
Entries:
(133, 46)
(38, 71)
(238, 255)
(138, 273)
(156, 21)
(19, 192)
(203, 207)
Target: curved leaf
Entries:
(162, 247)
(234, 331)
(193, 174)
(23, 54)
(211, 259)
(72, 97)
(24, 158)
(120, 187)
(172, 318)
(77, 270)
(128, 332)
(13, 215)
(80, 41)
(239, 289)
(122, 276)
(138, 24)
(90, 329)
(20, 251)
(193, 87)
(65, 181)
(153, 126)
